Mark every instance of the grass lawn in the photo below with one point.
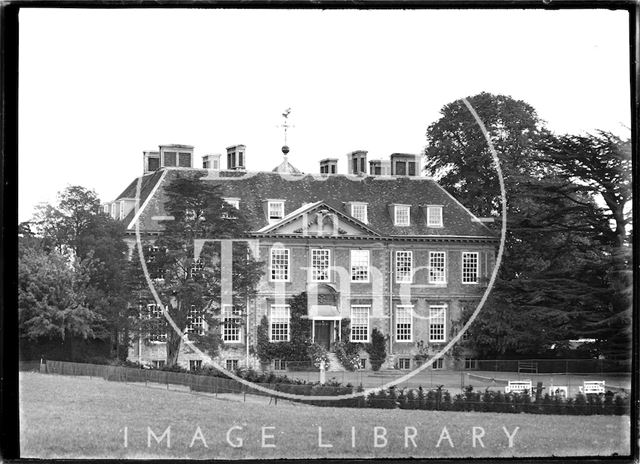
(74, 417)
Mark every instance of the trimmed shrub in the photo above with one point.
(377, 349)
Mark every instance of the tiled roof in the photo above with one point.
(379, 192)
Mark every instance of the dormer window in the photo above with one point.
(402, 215)
(359, 212)
(235, 202)
(275, 210)
(434, 216)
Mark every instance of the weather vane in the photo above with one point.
(286, 125)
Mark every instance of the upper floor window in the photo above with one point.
(279, 323)
(275, 210)
(320, 263)
(470, 266)
(360, 265)
(197, 266)
(280, 264)
(153, 257)
(113, 209)
(437, 323)
(404, 323)
(121, 210)
(402, 215)
(230, 324)
(195, 321)
(359, 211)
(158, 332)
(360, 323)
(434, 216)
(437, 267)
(404, 266)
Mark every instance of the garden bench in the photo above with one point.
(518, 386)
(562, 392)
(592, 387)
(528, 366)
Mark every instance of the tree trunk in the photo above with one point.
(173, 347)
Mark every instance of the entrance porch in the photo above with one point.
(326, 325)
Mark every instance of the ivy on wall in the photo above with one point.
(347, 352)
(297, 348)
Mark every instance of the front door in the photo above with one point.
(323, 333)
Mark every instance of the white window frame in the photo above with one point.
(403, 318)
(195, 364)
(271, 206)
(287, 262)
(435, 216)
(155, 312)
(197, 265)
(231, 330)
(463, 269)
(402, 361)
(121, 210)
(364, 217)
(366, 324)
(432, 279)
(403, 278)
(354, 263)
(106, 208)
(396, 215)
(280, 319)
(438, 313)
(113, 210)
(195, 322)
(317, 274)
(235, 202)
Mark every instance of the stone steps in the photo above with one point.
(334, 364)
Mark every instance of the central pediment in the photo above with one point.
(319, 220)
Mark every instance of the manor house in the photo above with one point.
(380, 245)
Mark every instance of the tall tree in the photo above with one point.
(52, 297)
(76, 228)
(592, 174)
(191, 288)
(457, 152)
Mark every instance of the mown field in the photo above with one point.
(71, 417)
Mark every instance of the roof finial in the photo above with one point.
(286, 125)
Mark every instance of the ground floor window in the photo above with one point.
(360, 323)
(437, 323)
(279, 365)
(279, 321)
(363, 363)
(438, 364)
(404, 363)
(231, 324)
(195, 364)
(470, 363)
(158, 363)
(231, 364)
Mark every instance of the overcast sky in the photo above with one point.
(97, 87)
